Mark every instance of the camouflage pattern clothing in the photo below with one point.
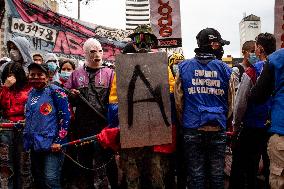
(143, 168)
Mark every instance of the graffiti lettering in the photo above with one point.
(110, 52)
(39, 44)
(49, 31)
(117, 35)
(165, 22)
(68, 43)
(34, 30)
(156, 93)
(31, 13)
(168, 43)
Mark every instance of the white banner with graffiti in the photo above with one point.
(49, 31)
(165, 22)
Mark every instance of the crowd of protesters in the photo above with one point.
(47, 101)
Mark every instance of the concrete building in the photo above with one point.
(137, 12)
(278, 23)
(249, 27)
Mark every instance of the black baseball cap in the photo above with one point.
(208, 35)
(42, 67)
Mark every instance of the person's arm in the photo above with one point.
(64, 116)
(112, 116)
(178, 94)
(241, 100)
(231, 94)
(264, 86)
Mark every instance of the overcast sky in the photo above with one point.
(223, 15)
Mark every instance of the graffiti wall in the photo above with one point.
(49, 31)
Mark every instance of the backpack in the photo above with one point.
(241, 70)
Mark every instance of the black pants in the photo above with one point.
(247, 151)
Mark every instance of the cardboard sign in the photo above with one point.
(143, 99)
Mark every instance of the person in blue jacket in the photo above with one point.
(249, 120)
(203, 94)
(47, 122)
(270, 84)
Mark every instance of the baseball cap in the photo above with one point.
(42, 67)
(208, 35)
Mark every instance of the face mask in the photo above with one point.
(253, 58)
(15, 55)
(218, 53)
(37, 83)
(64, 75)
(175, 69)
(52, 67)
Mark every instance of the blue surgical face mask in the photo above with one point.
(64, 75)
(52, 66)
(252, 58)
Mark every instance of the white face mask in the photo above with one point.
(15, 55)
(175, 69)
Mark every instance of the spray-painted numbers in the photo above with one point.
(33, 29)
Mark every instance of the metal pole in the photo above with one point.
(79, 1)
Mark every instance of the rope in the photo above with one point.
(84, 167)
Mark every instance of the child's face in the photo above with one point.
(38, 78)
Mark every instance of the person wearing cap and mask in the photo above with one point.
(52, 63)
(19, 51)
(204, 90)
(249, 120)
(93, 82)
(47, 122)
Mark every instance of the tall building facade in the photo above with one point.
(137, 12)
(249, 27)
(279, 23)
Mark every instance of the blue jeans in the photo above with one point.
(204, 158)
(15, 164)
(46, 169)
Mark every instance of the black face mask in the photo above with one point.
(218, 53)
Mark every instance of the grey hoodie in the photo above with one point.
(24, 47)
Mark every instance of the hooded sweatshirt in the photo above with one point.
(24, 47)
